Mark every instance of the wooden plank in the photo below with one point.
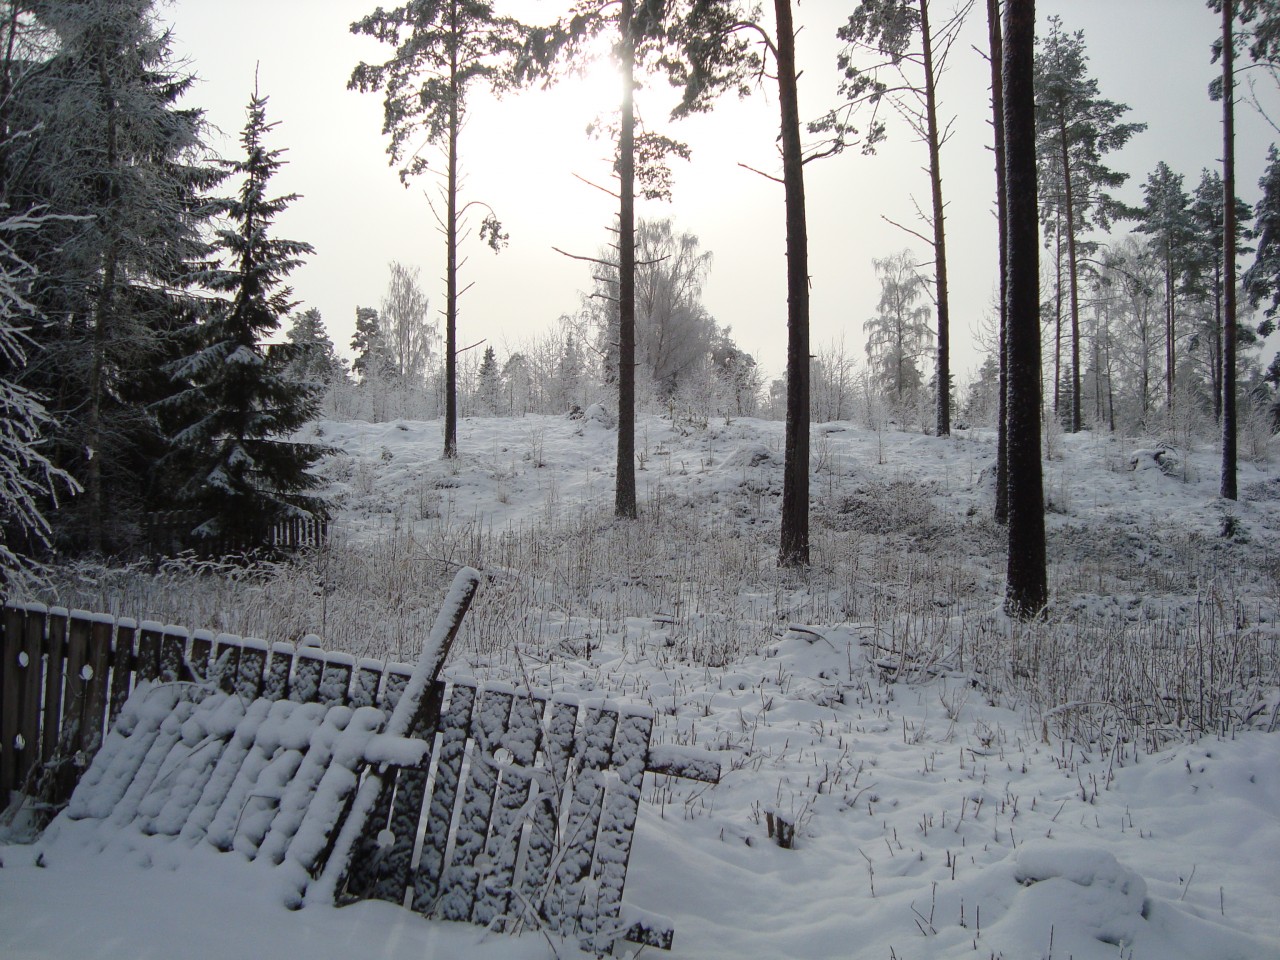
(455, 725)
(308, 666)
(31, 663)
(406, 811)
(398, 675)
(617, 826)
(225, 772)
(521, 740)
(198, 660)
(330, 722)
(173, 654)
(594, 751)
(147, 659)
(538, 878)
(335, 680)
(54, 684)
(238, 800)
(275, 686)
(122, 661)
(93, 721)
(692, 763)
(225, 664)
(462, 878)
(146, 781)
(189, 765)
(364, 690)
(11, 701)
(114, 768)
(333, 796)
(78, 675)
(253, 664)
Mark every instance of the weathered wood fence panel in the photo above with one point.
(65, 676)
(170, 532)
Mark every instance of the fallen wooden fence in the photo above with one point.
(64, 677)
(331, 768)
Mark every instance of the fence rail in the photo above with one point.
(65, 675)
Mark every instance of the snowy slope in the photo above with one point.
(882, 705)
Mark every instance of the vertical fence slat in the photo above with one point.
(122, 668)
(31, 673)
(148, 657)
(226, 661)
(78, 628)
(197, 666)
(10, 702)
(92, 720)
(55, 664)
(275, 686)
(253, 663)
(173, 653)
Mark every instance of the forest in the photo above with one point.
(909, 605)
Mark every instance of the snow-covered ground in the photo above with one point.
(882, 704)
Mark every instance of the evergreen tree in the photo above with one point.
(373, 355)
(107, 151)
(443, 48)
(236, 407)
(316, 358)
(29, 482)
(1205, 280)
(1166, 216)
(1262, 278)
(1075, 127)
(489, 383)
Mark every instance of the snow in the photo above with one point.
(935, 816)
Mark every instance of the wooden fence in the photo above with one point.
(169, 532)
(64, 676)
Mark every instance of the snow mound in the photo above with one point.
(596, 413)
(750, 455)
(1103, 897)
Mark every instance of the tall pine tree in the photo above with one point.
(237, 406)
(1075, 127)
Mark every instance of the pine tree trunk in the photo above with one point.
(1073, 280)
(1217, 343)
(1026, 590)
(943, 425)
(1228, 484)
(1169, 329)
(793, 550)
(451, 252)
(625, 485)
(997, 119)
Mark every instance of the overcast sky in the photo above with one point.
(521, 156)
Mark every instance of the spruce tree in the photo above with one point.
(232, 417)
(108, 152)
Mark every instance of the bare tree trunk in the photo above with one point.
(1170, 371)
(1228, 486)
(997, 120)
(939, 231)
(794, 548)
(625, 482)
(1073, 280)
(1026, 590)
(451, 254)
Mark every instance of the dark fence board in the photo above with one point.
(121, 658)
(11, 702)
